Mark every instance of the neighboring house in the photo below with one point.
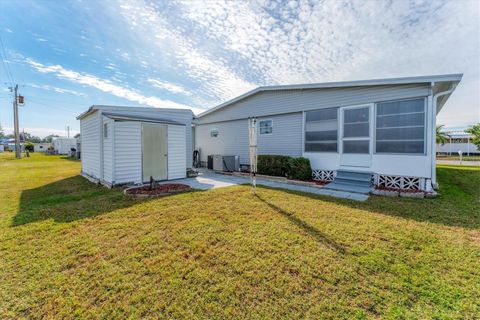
(458, 140)
(382, 127)
(63, 145)
(128, 145)
(41, 147)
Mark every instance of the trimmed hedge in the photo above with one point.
(284, 166)
(300, 169)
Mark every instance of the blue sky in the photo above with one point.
(68, 55)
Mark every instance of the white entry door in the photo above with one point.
(356, 148)
(154, 152)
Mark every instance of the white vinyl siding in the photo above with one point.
(176, 152)
(107, 150)
(128, 152)
(233, 138)
(321, 130)
(90, 144)
(400, 127)
(266, 104)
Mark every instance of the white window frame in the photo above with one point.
(426, 116)
(216, 129)
(259, 127)
(338, 131)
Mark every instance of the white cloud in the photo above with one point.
(345, 40)
(174, 88)
(214, 77)
(59, 90)
(105, 86)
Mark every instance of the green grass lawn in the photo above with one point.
(71, 249)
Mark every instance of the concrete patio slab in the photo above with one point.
(209, 180)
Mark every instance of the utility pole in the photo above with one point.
(68, 131)
(18, 151)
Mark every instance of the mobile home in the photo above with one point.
(131, 145)
(383, 129)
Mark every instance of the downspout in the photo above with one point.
(434, 124)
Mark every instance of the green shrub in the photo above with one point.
(299, 169)
(273, 165)
(284, 166)
(28, 146)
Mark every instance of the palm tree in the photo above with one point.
(442, 137)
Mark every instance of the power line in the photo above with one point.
(6, 67)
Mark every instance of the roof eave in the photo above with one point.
(356, 83)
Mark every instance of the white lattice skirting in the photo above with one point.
(399, 182)
(323, 175)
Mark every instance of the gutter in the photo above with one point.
(434, 125)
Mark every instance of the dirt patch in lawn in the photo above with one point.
(158, 190)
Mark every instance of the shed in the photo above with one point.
(42, 147)
(63, 145)
(129, 145)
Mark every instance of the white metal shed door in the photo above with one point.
(154, 152)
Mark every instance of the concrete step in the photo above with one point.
(354, 175)
(348, 187)
(356, 181)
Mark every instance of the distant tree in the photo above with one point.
(77, 136)
(34, 139)
(475, 132)
(49, 138)
(2, 134)
(442, 137)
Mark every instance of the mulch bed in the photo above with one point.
(398, 190)
(161, 189)
(320, 183)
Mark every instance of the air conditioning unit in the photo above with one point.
(226, 163)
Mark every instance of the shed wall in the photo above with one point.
(90, 137)
(128, 152)
(176, 152)
(177, 115)
(108, 149)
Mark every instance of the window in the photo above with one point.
(214, 132)
(266, 126)
(321, 130)
(400, 127)
(105, 130)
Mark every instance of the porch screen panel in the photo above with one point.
(321, 130)
(400, 127)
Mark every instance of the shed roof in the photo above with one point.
(128, 110)
(129, 117)
(434, 79)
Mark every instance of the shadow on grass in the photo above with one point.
(69, 158)
(458, 203)
(68, 200)
(311, 230)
